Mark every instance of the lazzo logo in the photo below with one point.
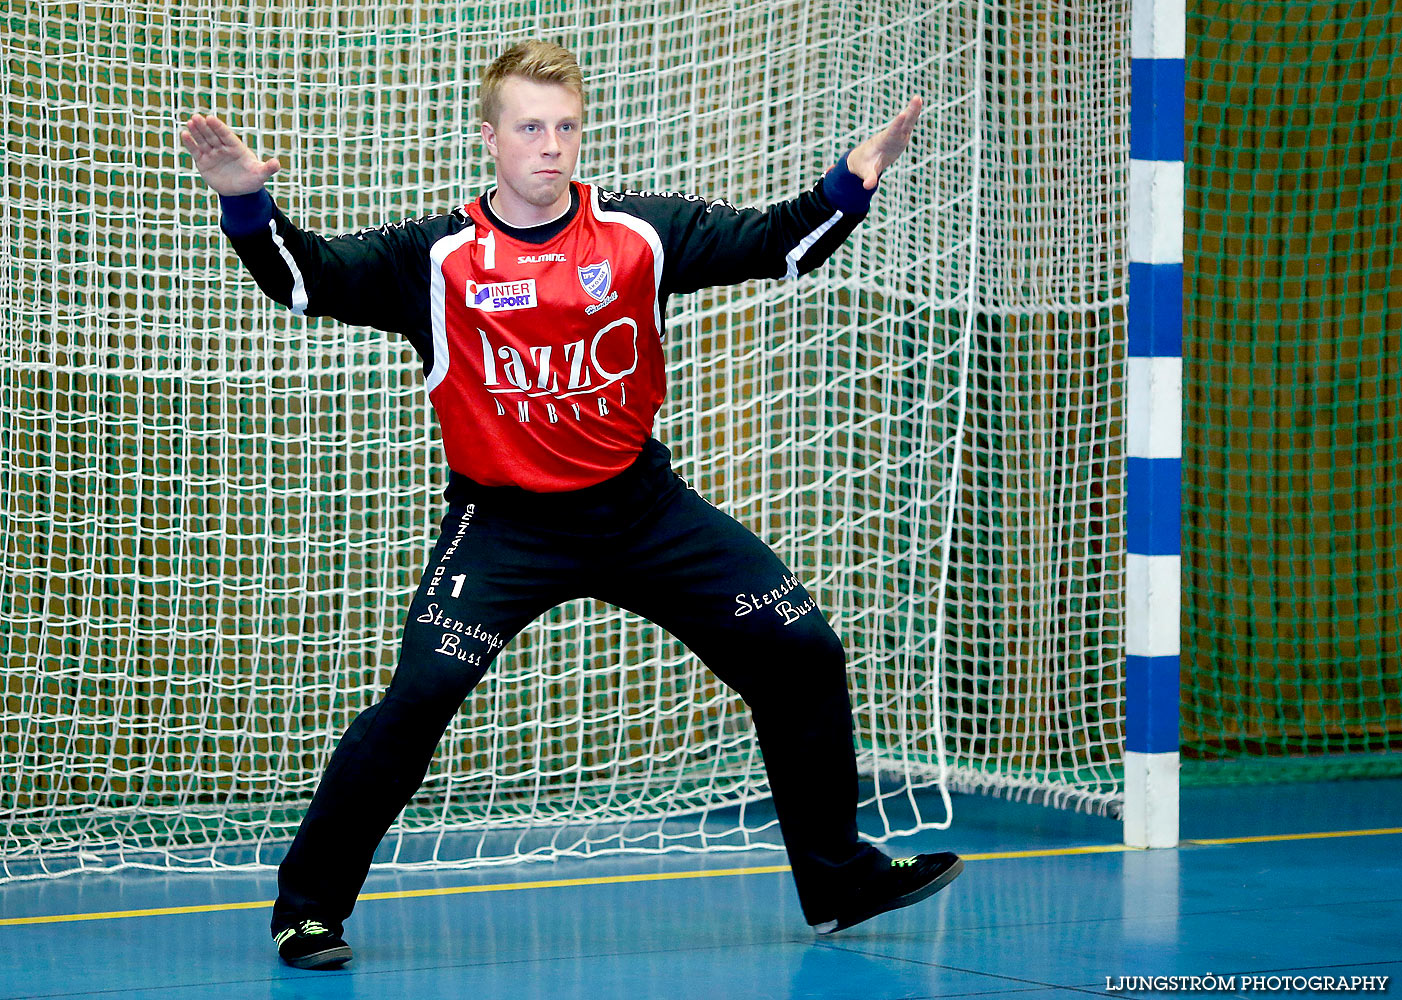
(500, 296)
(561, 370)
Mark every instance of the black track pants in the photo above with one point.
(645, 542)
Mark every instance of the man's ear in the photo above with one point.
(489, 136)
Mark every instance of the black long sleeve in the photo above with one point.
(376, 277)
(714, 243)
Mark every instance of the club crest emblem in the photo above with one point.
(595, 278)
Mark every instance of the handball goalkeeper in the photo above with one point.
(539, 311)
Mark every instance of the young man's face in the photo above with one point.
(535, 143)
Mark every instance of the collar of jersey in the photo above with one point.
(530, 235)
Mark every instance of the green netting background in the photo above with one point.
(1293, 391)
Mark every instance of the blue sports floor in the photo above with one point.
(1049, 905)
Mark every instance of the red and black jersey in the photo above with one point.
(542, 348)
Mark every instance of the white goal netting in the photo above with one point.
(213, 513)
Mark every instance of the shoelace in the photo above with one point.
(307, 927)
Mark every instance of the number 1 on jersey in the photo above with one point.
(489, 249)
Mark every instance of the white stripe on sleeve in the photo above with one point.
(796, 254)
(299, 286)
(437, 303)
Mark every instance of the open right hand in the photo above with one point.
(881, 150)
(222, 158)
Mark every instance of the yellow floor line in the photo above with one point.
(1381, 832)
(1050, 852)
(163, 911)
(456, 890)
(62, 918)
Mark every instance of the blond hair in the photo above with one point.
(543, 62)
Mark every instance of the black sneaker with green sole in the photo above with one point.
(310, 944)
(906, 881)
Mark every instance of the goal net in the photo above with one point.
(214, 513)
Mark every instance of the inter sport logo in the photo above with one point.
(502, 295)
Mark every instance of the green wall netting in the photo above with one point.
(1293, 391)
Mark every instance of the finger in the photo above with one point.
(201, 148)
(212, 132)
(910, 114)
(895, 139)
(222, 132)
(188, 141)
(270, 167)
(224, 136)
(905, 121)
(199, 128)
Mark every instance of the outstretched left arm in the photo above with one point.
(713, 243)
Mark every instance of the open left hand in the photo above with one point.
(881, 150)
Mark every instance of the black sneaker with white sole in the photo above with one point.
(906, 881)
(310, 944)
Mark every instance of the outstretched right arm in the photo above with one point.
(376, 277)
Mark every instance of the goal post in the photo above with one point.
(214, 513)
(1154, 419)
